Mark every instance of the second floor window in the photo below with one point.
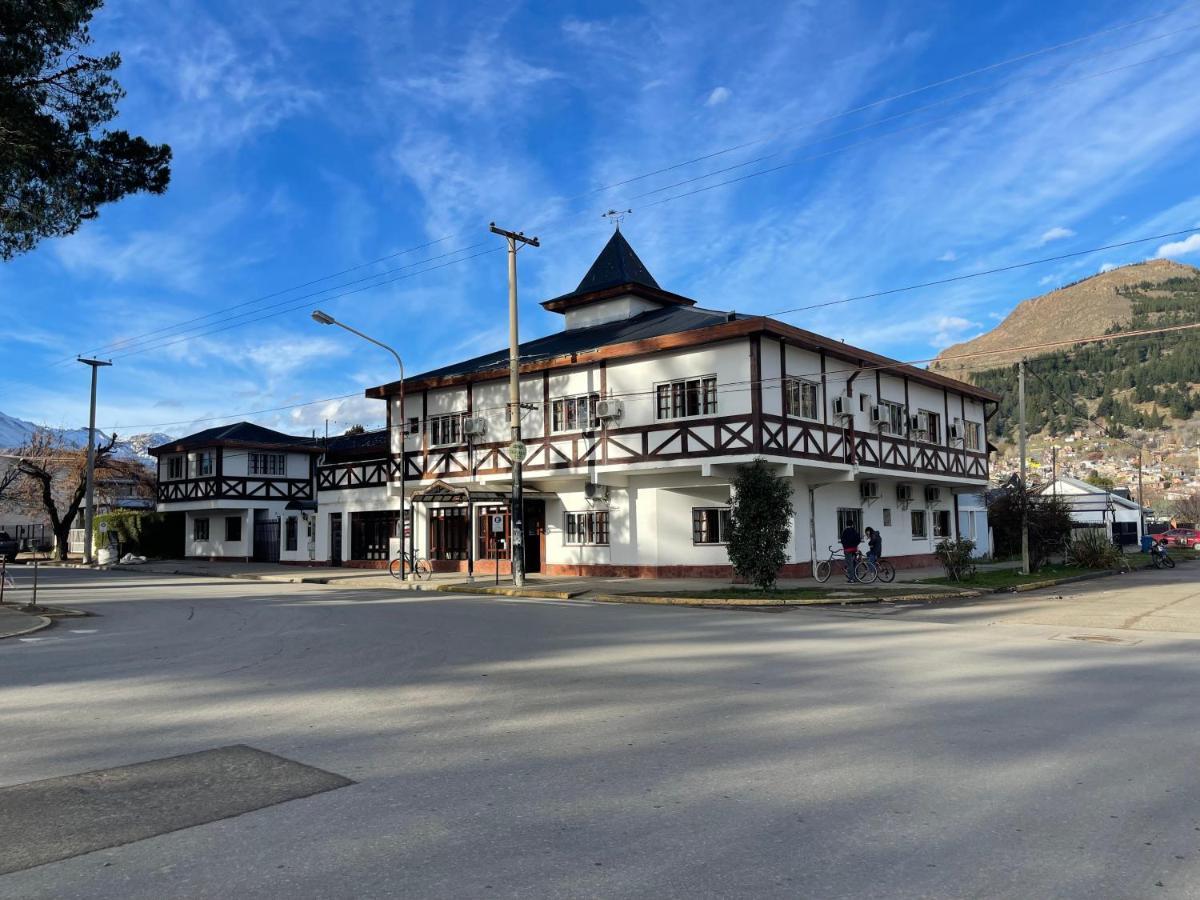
(893, 416)
(204, 463)
(587, 527)
(444, 430)
(268, 463)
(800, 398)
(972, 435)
(929, 427)
(574, 413)
(174, 466)
(687, 397)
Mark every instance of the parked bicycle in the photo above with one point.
(400, 567)
(863, 571)
(885, 570)
(1160, 557)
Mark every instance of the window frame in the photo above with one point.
(916, 515)
(973, 430)
(586, 528)
(291, 531)
(897, 417)
(198, 525)
(268, 463)
(939, 517)
(701, 525)
(176, 467)
(559, 407)
(852, 512)
(205, 463)
(794, 400)
(670, 397)
(434, 426)
(932, 433)
(230, 520)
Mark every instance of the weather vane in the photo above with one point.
(617, 216)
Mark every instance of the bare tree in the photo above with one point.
(8, 479)
(54, 476)
(1187, 509)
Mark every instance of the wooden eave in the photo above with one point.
(185, 446)
(573, 301)
(723, 331)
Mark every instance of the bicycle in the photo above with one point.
(1161, 559)
(885, 570)
(399, 567)
(863, 571)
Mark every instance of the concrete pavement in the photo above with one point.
(526, 748)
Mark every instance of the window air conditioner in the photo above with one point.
(932, 494)
(869, 489)
(474, 428)
(877, 417)
(956, 431)
(610, 410)
(914, 424)
(841, 407)
(904, 492)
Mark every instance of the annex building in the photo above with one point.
(635, 416)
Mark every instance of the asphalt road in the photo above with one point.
(521, 748)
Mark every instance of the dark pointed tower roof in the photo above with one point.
(616, 271)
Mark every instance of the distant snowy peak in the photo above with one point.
(16, 432)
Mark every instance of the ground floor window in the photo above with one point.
(918, 523)
(849, 516)
(710, 524)
(233, 528)
(289, 535)
(448, 533)
(199, 529)
(587, 527)
(370, 533)
(941, 523)
(493, 532)
(887, 518)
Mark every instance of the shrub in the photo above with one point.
(152, 534)
(761, 523)
(1093, 550)
(955, 557)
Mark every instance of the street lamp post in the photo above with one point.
(88, 508)
(326, 319)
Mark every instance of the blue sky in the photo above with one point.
(311, 138)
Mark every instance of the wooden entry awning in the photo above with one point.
(440, 492)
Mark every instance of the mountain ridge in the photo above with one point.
(16, 432)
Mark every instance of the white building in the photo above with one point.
(1094, 506)
(634, 417)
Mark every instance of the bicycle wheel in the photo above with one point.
(1168, 562)
(396, 568)
(823, 570)
(865, 572)
(424, 569)
(887, 572)
(1157, 560)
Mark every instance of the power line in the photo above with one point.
(134, 340)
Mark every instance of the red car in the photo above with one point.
(1182, 537)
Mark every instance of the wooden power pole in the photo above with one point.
(1024, 489)
(516, 450)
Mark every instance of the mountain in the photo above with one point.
(1148, 384)
(15, 432)
(1083, 309)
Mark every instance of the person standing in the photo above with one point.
(850, 541)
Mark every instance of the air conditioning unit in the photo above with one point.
(594, 491)
(904, 493)
(474, 428)
(869, 490)
(610, 410)
(956, 431)
(877, 416)
(932, 494)
(841, 407)
(915, 424)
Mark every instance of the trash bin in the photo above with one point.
(1147, 540)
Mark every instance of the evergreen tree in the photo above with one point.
(761, 523)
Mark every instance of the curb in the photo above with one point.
(41, 622)
(775, 601)
(507, 592)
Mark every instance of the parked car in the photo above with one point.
(9, 546)
(1182, 537)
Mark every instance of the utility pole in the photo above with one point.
(516, 449)
(1024, 490)
(88, 508)
(1141, 502)
(1054, 468)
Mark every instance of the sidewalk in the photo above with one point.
(13, 623)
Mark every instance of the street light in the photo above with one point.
(88, 508)
(325, 319)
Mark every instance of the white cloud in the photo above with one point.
(1181, 248)
(949, 329)
(1056, 233)
(718, 96)
(1107, 267)
(948, 256)
(1047, 279)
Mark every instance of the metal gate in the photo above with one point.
(266, 540)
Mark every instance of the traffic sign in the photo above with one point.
(498, 524)
(517, 451)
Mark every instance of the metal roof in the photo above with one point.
(243, 434)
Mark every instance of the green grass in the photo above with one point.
(747, 593)
(1002, 578)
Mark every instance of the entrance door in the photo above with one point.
(335, 539)
(266, 540)
(534, 513)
